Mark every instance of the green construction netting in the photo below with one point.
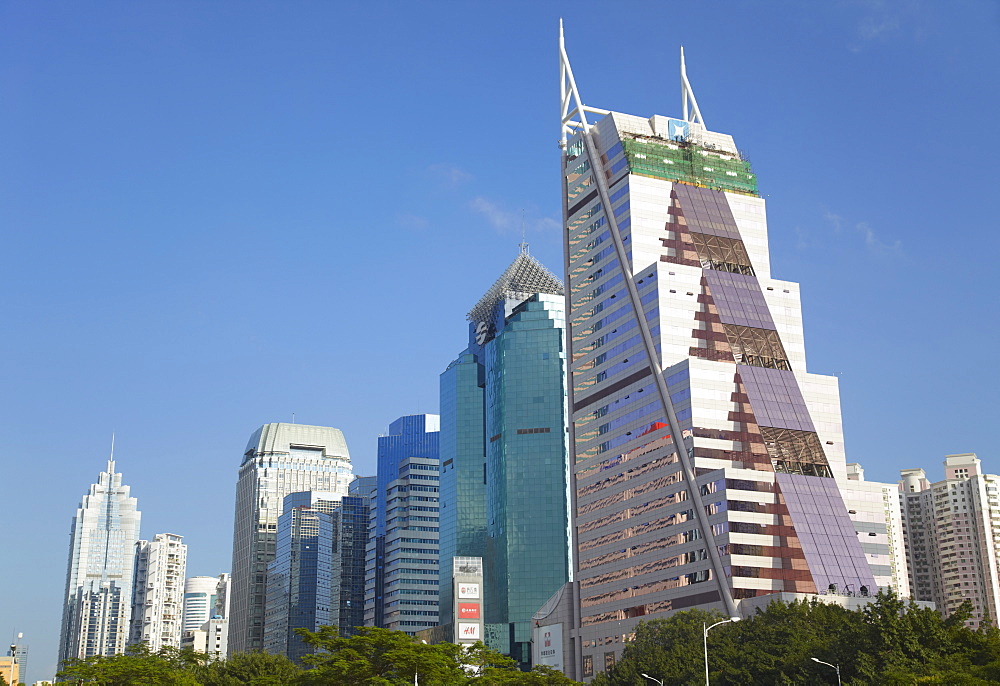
(689, 163)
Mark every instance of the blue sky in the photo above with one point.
(215, 215)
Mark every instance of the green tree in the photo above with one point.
(138, 665)
(378, 657)
(487, 667)
(254, 669)
(888, 641)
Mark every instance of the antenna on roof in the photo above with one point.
(524, 241)
(111, 460)
(687, 92)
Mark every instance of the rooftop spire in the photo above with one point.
(111, 460)
(523, 278)
(687, 92)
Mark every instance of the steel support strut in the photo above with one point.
(685, 455)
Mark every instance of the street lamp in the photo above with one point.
(704, 636)
(837, 667)
(653, 679)
(13, 657)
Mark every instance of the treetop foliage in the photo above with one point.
(890, 641)
(373, 657)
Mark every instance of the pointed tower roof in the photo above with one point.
(523, 278)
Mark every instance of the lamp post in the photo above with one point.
(837, 667)
(704, 636)
(659, 681)
(13, 657)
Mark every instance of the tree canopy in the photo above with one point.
(372, 657)
(889, 641)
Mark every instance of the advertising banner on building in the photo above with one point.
(546, 646)
(469, 611)
(469, 631)
(466, 590)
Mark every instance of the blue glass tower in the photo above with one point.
(503, 458)
(351, 533)
(401, 559)
(300, 580)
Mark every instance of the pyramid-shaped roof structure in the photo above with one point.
(523, 278)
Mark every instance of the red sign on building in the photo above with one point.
(468, 611)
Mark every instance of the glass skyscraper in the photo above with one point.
(503, 457)
(351, 522)
(300, 579)
(99, 575)
(279, 459)
(401, 557)
(706, 456)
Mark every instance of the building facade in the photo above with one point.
(99, 575)
(351, 522)
(207, 598)
(504, 469)
(952, 530)
(279, 459)
(158, 592)
(300, 579)
(401, 556)
(706, 457)
(875, 509)
(200, 594)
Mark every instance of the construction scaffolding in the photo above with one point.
(687, 162)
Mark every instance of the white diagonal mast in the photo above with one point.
(687, 92)
(569, 95)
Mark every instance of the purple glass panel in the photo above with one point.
(707, 211)
(828, 539)
(739, 299)
(775, 398)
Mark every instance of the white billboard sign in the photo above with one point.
(469, 631)
(547, 646)
(466, 590)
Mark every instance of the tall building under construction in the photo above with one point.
(706, 458)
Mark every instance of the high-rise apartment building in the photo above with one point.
(279, 459)
(706, 457)
(874, 508)
(401, 556)
(99, 575)
(503, 453)
(952, 530)
(158, 592)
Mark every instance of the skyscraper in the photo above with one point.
(503, 453)
(401, 557)
(279, 459)
(706, 457)
(952, 530)
(300, 579)
(158, 591)
(99, 575)
(351, 521)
